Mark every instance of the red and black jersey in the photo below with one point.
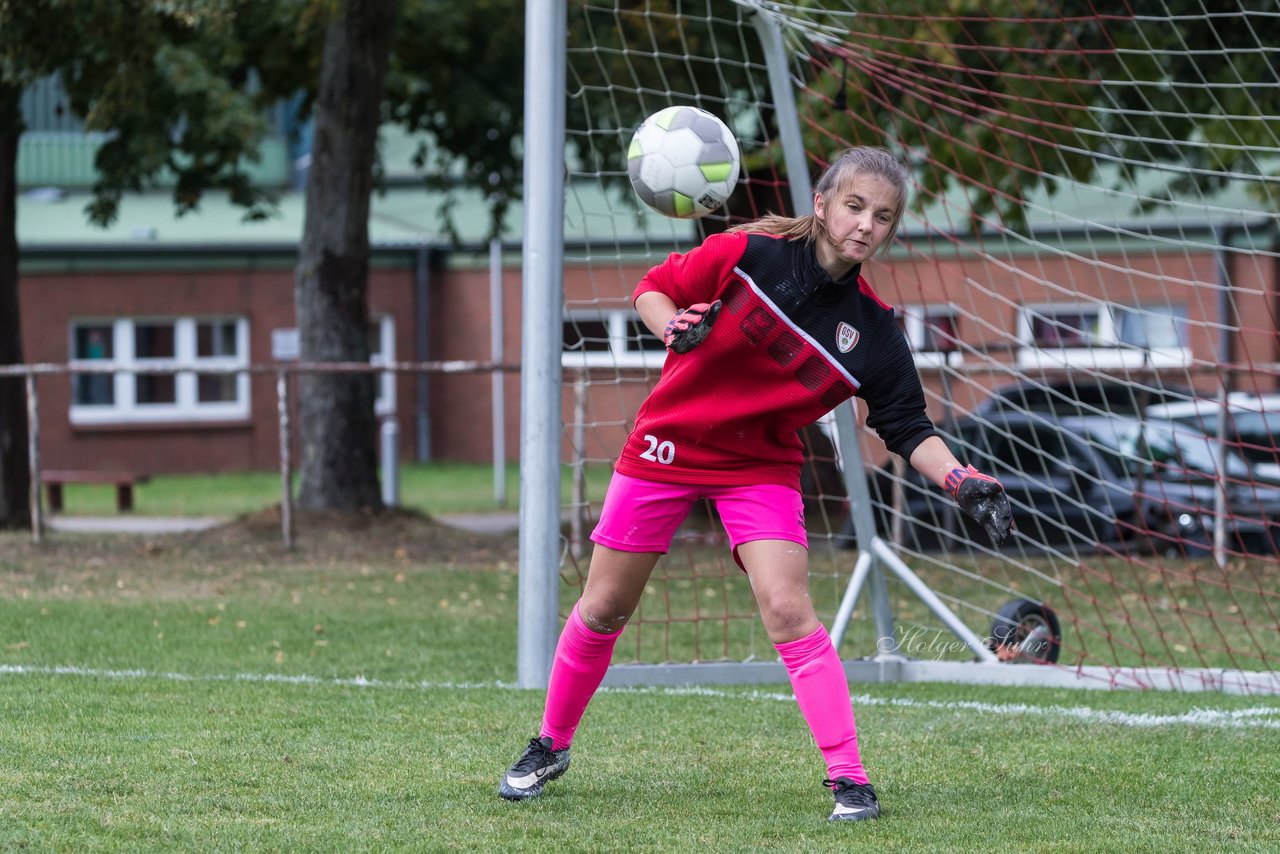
(790, 344)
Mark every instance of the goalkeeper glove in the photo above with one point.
(690, 327)
(982, 498)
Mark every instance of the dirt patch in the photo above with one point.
(390, 534)
(250, 546)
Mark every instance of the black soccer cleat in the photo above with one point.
(854, 801)
(537, 766)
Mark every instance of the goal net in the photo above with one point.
(1087, 275)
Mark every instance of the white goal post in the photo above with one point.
(541, 425)
(1087, 274)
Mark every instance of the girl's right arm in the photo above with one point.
(655, 309)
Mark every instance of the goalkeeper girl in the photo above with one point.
(768, 326)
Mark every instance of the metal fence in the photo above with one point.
(283, 373)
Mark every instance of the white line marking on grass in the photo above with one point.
(281, 678)
(1257, 717)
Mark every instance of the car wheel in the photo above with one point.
(1026, 631)
(1186, 541)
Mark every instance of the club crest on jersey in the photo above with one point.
(846, 337)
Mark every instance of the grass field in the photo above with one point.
(1186, 613)
(438, 487)
(210, 692)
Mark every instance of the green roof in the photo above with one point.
(399, 216)
(408, 214)
(1133, 207)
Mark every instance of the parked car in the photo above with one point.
(1082, 395)
(1252, 427)
(1083, 483)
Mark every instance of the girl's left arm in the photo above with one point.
(933, 459)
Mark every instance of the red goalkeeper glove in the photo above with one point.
(982, 498)
(690, 327)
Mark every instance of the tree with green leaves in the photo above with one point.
(1004, 96)
(339, 428)
(181, 89)
(456, 78)
(171, 86)
(998, 97)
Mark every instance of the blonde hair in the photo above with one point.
(835, 180)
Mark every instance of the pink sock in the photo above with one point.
(582, 657)
(817, 678)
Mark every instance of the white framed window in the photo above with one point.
(932, 333)
(136, 395)
(382, 351)
(1103, 335)
(609, 338)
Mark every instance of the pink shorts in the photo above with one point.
(643, 515)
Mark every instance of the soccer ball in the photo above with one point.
(683, 162)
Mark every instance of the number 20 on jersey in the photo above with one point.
(658, 452)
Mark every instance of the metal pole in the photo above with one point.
(931, 601)
(850, 601)
(33, 459)
(784, 105)
(865, 570)
(846, 424)
(1228, 321)
(497, 331)
(286, 459)
(390, 435)
(578, 521)
(538, 615)
(864, 526)
(422, 337)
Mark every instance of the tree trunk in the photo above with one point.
(15, 476)
(337, 421)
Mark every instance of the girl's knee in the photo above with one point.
(790, 628)
(602, 618)
(787, 619)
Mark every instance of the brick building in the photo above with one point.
(208, 288)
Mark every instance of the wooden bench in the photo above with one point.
(124, 482)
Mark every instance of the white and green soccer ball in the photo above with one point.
(683, 162)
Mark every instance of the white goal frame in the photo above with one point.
(542, 548)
